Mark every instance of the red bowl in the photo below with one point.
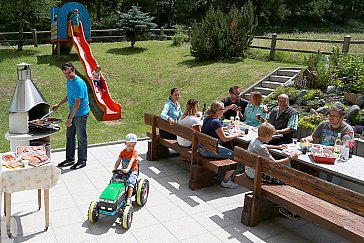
(324, 160)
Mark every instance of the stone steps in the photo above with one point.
(272, 81)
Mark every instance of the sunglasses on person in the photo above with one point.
(236, 94)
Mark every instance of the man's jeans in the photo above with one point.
(78, 127)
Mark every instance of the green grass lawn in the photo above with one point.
(140, 79)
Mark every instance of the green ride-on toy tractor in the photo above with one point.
(113, 199)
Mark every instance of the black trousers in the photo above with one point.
(165, 134)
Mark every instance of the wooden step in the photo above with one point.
(278, 78)
(272, 85)
(288, 72)
(263, 90)
(246, 96)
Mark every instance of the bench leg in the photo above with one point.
(256, 211)
(201, 177)
(160, 152)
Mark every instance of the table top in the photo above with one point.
(352, 170)
(28, 178)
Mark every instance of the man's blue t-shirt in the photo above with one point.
(210, 125)
(76, 88)
(74, 19)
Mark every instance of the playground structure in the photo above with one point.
(61, 29)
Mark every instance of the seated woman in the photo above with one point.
(255, 110)
(212, 126)
(171, 112)
(190, 119)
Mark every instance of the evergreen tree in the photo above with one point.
(134, 23)
(223, 36)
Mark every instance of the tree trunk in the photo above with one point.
(170, 10)
(21, 35)
(98, 11)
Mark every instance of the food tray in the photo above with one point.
(9, 156)
(324, 159)
(26, 149)
(35, 159)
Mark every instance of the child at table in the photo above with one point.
(255, 110)
(96, 76)
(128, 158)
(258, 146)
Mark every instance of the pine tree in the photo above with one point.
(134, 23)
(223, 36)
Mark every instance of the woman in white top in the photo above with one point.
(191, 119)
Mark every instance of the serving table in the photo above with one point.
(28, 178)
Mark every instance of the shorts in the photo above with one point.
(132, 178)
(75, 28)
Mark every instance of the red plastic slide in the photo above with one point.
(111, 109)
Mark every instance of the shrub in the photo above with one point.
(311, 121)
(180, 37)
(359, 118)
(221, 36)
(313, 104)
(313, 94)
(290, 91)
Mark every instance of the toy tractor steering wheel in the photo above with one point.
(119, 172)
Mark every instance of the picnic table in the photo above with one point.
(351, 171)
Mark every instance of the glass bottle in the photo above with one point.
(337, 145)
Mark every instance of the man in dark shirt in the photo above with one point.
(327, 131)
(285, 120)
(234, 103)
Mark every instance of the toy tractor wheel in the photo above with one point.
(142, 192)
(93, 211)
(127, 217)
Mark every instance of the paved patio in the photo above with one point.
(173, 212)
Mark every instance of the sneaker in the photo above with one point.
(285, 212)
(128, 202)
(229, 184)
(78, 165)
(66, 163)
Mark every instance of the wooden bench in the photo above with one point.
(158, 146)
(207, 171)
(328, 205)
(203, 171)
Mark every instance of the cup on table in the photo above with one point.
(232, 119)
(258, 116)
(304, 149)
(294, 141)
(246, 130)
(25, 163)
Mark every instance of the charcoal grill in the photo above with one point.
(26, 108)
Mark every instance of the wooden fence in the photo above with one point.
(34, 37)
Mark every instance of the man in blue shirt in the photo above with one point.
(78, 104)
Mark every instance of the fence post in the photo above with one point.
(189, 33)
(162, 34)
(35, 38)
(346, 44)
(273, 46)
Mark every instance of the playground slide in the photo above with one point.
(111, 109)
